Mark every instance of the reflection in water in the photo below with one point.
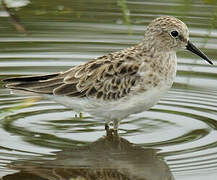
(109, 157)
(66, 33)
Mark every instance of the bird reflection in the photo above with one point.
(109, 158)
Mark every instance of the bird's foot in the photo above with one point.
(111, 132)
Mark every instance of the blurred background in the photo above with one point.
(39, 37)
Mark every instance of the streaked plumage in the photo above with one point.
(118, 84)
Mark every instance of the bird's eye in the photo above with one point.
(174, 33)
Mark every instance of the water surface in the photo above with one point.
(176, 138)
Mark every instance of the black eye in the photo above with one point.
(174, 33)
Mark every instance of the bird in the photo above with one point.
(121, 83)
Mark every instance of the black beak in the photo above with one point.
(197, 51)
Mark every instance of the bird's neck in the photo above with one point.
(152, 50)
(152, 44)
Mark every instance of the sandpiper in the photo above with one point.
(113, 86)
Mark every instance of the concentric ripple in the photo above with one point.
(182, 125)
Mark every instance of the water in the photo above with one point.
(48, 141)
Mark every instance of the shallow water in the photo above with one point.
(180, 129)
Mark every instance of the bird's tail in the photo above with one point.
(43, 84)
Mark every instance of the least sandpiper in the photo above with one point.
(113, 86)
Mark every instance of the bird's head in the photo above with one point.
(166, 33)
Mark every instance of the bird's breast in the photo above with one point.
(158, 72)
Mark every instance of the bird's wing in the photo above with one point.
(101, 78)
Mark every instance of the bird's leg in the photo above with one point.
(107, 126)
(108, 130)
(114, 131)
(115, 126)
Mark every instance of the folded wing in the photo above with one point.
(101, 78)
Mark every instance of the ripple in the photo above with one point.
(183, 125)
(196, 152)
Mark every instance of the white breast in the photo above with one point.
(130, 105)
(109, 110)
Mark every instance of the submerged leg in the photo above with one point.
(108, 130)
(114, 131)
(106, 126)
(115, 126)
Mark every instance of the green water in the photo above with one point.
(60, 34)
